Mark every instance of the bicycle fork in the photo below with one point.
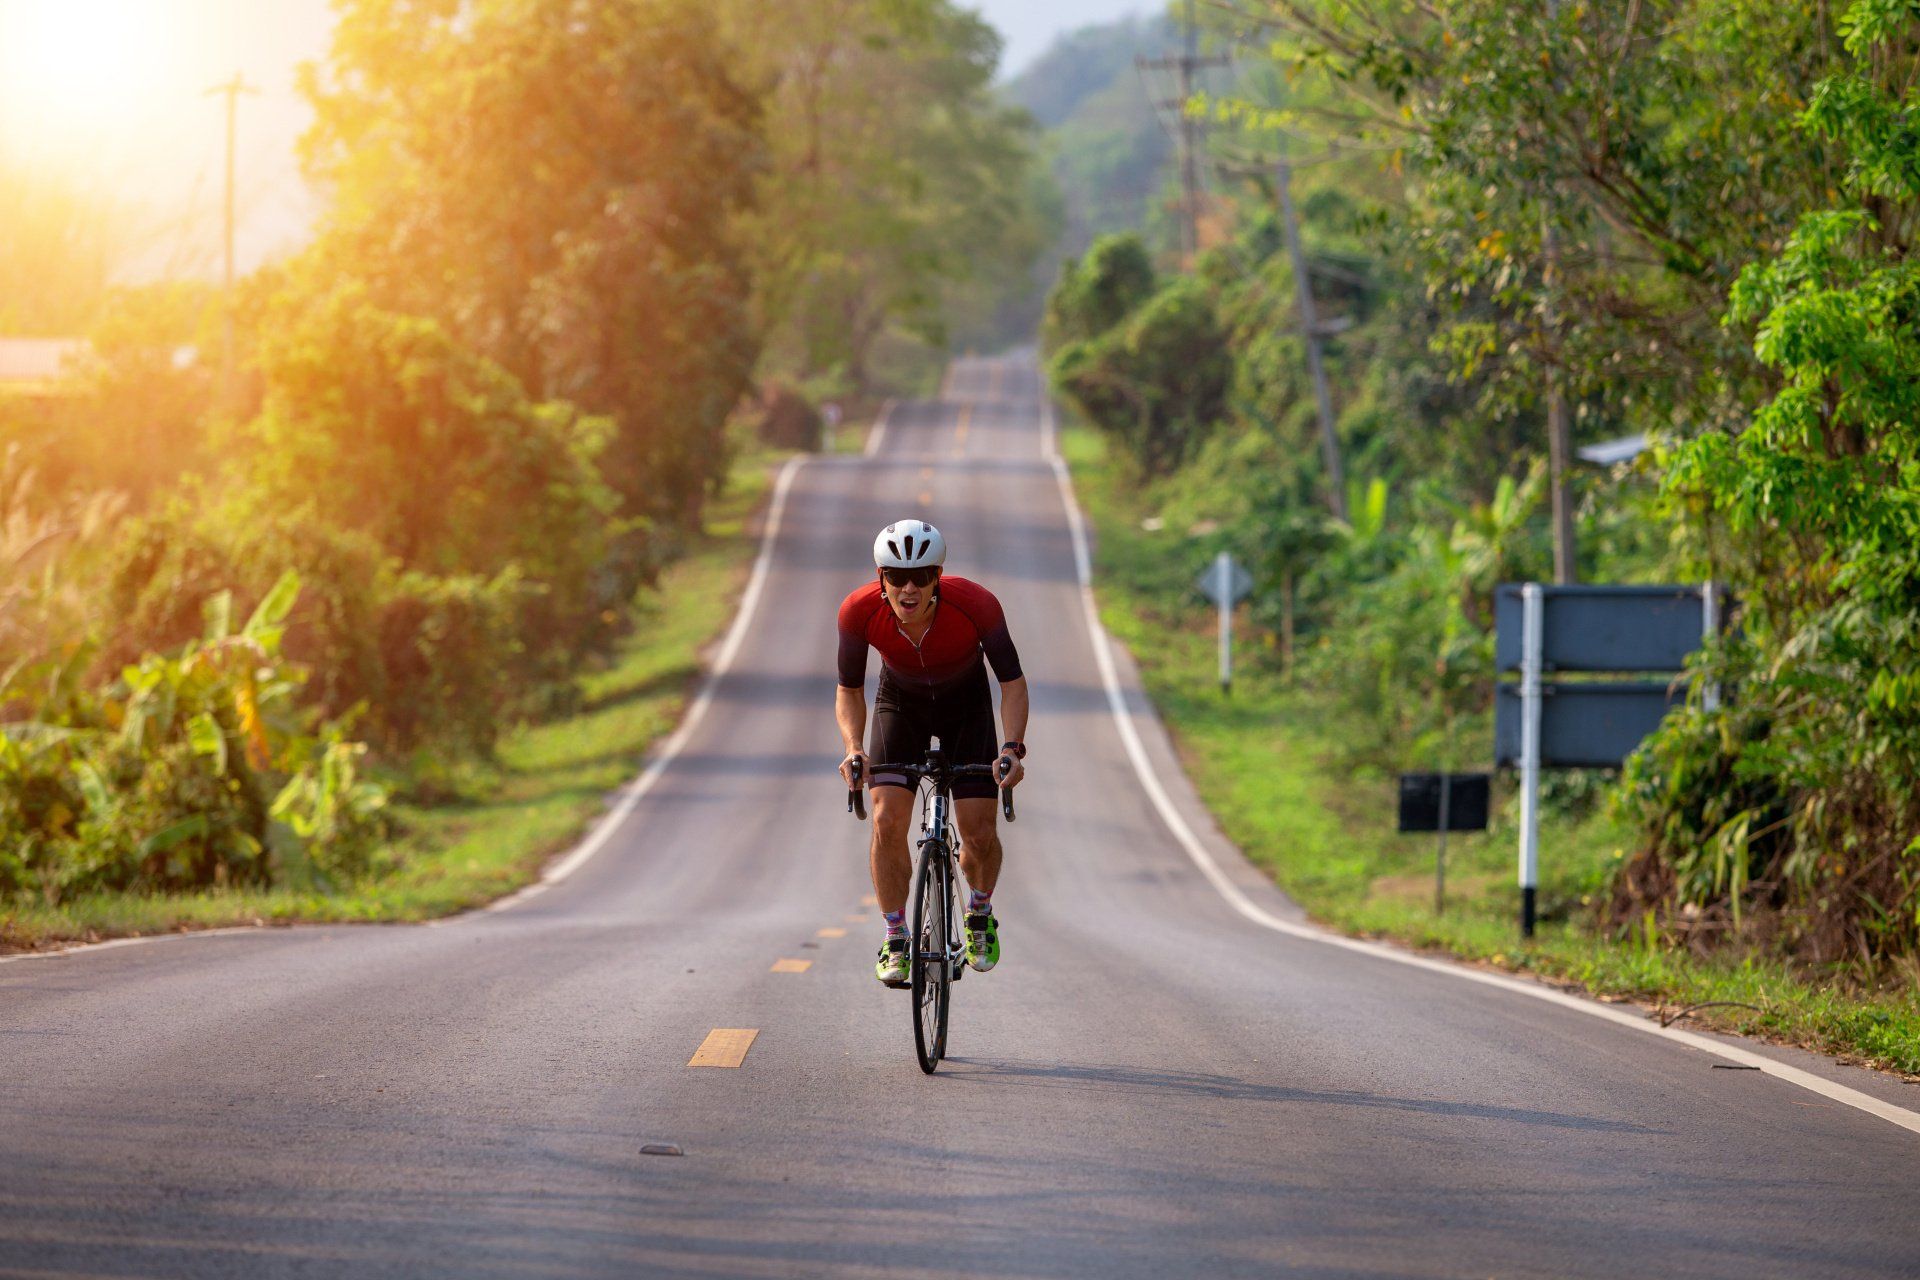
(939, 828)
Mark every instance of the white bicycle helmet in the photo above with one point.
(909, 544)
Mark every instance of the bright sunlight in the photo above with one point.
(74, 70)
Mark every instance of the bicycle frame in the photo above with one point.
(939, 949)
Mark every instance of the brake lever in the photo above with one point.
(1003, 768)
(857, 798)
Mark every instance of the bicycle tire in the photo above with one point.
(932, 976)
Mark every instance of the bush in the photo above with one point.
(1096, 292)
(183, 773)
(1157, 382)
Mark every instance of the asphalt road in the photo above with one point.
(1150, 1085)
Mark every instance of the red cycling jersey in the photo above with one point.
(967, 621)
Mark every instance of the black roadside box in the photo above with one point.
(1420, 801)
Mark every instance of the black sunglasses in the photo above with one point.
(914, 577)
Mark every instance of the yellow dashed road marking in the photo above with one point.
(831, 931)
(869, 901)
(859, 919)
(926, 497)
(926, 473)
(724, 1047)
(791, 966)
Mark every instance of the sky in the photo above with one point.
(1030, 25)
(114, 93)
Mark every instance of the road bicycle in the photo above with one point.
(939, 951)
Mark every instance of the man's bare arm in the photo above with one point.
(1013, 709)
(850, 713)
(1013, 717)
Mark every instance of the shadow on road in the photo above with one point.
(1196, 1084)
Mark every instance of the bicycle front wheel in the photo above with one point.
(932, 974)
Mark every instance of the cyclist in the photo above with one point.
(931, 632)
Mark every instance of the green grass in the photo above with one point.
(499, 823)
(1266, 761)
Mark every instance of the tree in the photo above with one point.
(1158, 380)
(1799, 795)
(558, 183)
(895, 176)
(1098, 290)
(58, 246)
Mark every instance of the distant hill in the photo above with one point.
(1109, 154)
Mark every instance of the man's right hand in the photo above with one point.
(853, 769)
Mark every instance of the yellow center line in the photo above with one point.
(831, 931)
(926, 497)
(869, 901)
(859, 919)
(724, 1047)
(926, 473)
(791, 966)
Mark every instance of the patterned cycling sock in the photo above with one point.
(896, 922)
(978, 902)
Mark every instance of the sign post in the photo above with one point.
(1226, 582)
(1533, 617)
(1546, 724)
(1442, 802)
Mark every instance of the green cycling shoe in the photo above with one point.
(983, 941)
(894, 964)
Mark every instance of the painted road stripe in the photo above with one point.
(1238, 900)
(724, 1047)
(722, 663)
(879, 429)
(791, 966)
(831, 931)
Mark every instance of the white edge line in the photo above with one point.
(603, 830)
(1238, 900)
(879, 429)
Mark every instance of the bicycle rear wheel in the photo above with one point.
(932, 976)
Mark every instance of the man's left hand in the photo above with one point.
(1009, 777)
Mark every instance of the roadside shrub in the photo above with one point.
(1156, 383)
(182, 773)
(1097, 291)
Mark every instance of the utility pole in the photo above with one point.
(1187, 129)
(1311, 330)
(1566, 566)
(232, 89)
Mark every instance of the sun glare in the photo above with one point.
(75, 71)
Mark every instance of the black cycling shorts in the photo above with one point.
(960, 715)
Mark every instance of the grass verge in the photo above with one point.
(1265, 761)
(499, 822)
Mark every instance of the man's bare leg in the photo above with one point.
(980, 861)
(979, 842)
(887, 854)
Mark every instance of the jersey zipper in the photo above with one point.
(918, 653)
